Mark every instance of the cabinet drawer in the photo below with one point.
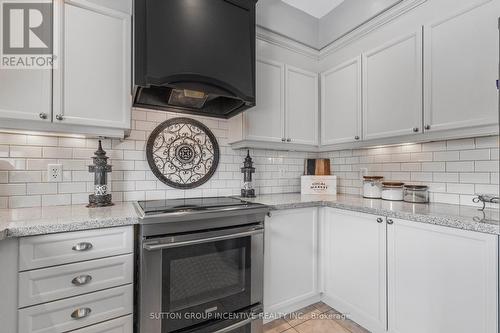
(49, 284)
(120, 325)
(64, 248)
(61, 316)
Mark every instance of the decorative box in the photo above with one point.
(318, 185)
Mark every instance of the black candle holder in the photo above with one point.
(100, 168)
(248, 191)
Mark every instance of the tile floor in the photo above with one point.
(316, 318)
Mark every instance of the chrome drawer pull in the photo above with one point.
(81, 280)
(81, 313)
(84, 246)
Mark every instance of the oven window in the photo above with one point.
(205, 279)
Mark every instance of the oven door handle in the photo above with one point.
(236, 326)
(156, 246)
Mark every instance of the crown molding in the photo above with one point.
(363, 29)
(370, 25)
(285, 42)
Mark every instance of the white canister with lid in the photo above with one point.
(392, 191)
(372, 187)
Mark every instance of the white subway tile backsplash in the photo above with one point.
(488, 189)
(460, 166)
(486, 166)
(450, 168)
(475, 155)
(460, 144)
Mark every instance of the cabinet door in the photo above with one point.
(95, 78)
(301, 106)
(265, 122)
(341, 103)
(353, 256)
(26, 94)
(441, 279)
(290, 260)
(392, 88)
(461, 67)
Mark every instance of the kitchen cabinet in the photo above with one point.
(461, 67)
(441, 279)
(93, 85)
(392, 88)
(341, 103)
(290, 260)
(26, 94)
(88, 91)
(266, 121)
(429, 278)
(354, 266)
(301, 106)
(286, 110)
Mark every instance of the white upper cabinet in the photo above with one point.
(301, 106)
(286, 110)
(93, 86)
(461, 67)
(266, 121)
(353, 256)
(392, 88)
(341, 103)
(441, 279)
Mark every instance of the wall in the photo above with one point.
(455, 170)
(24, 159)
(278, 17)
(347, 16)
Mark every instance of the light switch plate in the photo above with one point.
(54, 173)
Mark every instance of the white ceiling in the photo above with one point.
(316, 8)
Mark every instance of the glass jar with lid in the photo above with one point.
(392, 191)
(372, 187)
(416, 193)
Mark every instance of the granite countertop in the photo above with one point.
(23, 222)
(455, 216)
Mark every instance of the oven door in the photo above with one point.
(190, 279)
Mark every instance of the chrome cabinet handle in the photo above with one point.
(380, 220)
(269, 214)
(356, 137)
(415, 129)
(427, 127)
(83, 246)
(42, 115)
(81, 313)
(59, 117)
(288, 140)
(283, 139)
(81, 280)
(389, 221)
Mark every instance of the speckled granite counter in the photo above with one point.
(455, 216)
(45, 220)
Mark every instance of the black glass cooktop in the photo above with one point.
(152, 207)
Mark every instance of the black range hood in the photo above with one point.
(195, 56)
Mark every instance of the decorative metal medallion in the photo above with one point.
(183, 153)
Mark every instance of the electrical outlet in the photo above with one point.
(54, 172)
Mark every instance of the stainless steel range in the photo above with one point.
(201, 266)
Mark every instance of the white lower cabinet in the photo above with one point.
(76, 312)
(421, 277)
(354, 266)
(441, 280)
(120, 325)
(290, 260)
